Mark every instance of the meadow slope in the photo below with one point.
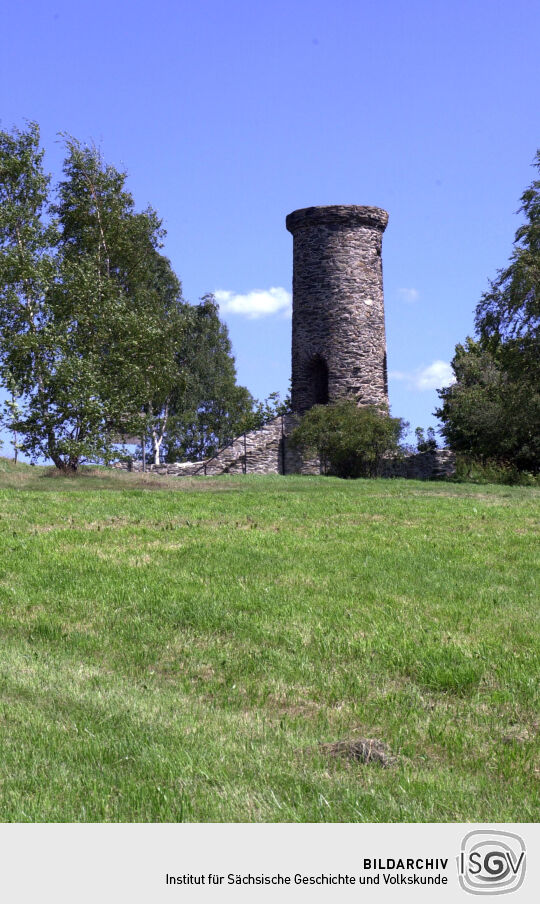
(184, 649)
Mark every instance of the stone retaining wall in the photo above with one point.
(437, 465)
(267, 451)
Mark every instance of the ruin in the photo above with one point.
(338, 343)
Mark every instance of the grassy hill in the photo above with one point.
(194, 649)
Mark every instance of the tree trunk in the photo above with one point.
(156, 446)
(70, 466)
(157, 437)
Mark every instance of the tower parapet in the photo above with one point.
(338, 335)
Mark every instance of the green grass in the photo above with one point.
(181, 649)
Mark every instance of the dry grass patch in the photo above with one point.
(360, 750)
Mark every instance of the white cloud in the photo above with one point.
(409, 295)
(434, 376)
(257, 303)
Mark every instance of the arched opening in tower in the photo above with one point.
(317, 373)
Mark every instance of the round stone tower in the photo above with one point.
(338, 338)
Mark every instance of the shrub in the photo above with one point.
(471, 470)
(350, 441)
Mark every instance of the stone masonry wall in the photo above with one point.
(267, 451)
(438, 465)
(338, 305)
(262, 451)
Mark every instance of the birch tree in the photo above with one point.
(85, 302)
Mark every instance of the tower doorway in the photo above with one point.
(317, 377)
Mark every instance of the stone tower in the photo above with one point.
(338, 337)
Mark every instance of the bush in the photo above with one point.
(473, 471)
(350, 441)
(491, 413)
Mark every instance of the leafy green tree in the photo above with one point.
(28, 264)
(349, 440)
(209, 408)
(492, 412)
(137, 294)
(488, 415)
(510, 310)
(89, 308)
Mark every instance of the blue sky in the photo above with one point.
(228, 115)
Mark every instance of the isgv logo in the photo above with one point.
(491, 862)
